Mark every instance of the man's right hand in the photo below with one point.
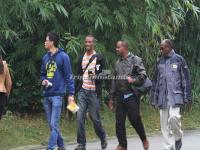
(44, 82)
(70, 99)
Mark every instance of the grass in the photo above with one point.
(19, 131)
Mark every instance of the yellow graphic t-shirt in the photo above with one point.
(51, 68)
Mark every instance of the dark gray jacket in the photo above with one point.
(171, 83)
(130, 66)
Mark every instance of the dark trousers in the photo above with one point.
(129, 107)
(87, 100)
(3, 99)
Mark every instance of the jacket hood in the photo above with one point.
(59, 51)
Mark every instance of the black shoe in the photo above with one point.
(104, 144)
(80, 147)
(178, 144)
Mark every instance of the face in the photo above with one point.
(120, 48)
(89, 43)
(48, 44)
(165, 49)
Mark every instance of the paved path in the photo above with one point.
(191, 141)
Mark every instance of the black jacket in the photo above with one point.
(98, 73)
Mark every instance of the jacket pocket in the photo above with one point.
(178, 97)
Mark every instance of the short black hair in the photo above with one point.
(54, 37)
(91, 36)
(169, 42)
(124, 43)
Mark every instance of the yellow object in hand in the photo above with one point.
(73, 107)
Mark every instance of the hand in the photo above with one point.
(188, 106)
(130, 80)
(70, 99)
(44, 82)
(110, 104)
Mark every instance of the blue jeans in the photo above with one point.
(87, 100)
(53, 106)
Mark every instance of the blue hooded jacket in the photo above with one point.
(57, 70)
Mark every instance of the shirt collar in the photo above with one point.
(94, 52)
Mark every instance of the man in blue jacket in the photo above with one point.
(171, 89)
(56, 75)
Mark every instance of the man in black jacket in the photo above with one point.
(88, 86)
(129, 71)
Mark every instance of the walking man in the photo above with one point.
(56, 74)
(5, 85)
(90, 65)
(171, 89)
(129, 70)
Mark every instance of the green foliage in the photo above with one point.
(143, 23)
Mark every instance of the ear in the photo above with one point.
(52, 42)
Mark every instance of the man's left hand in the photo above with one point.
(70, 99)
(130, 80)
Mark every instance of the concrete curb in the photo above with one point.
(29, 147)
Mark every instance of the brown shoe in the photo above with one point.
(120, 148)
(146, 144)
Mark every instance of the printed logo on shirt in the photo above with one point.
(97, 67)
(51, 68)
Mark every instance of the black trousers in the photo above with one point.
(3, 99)
(131, 108)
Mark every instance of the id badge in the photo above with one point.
(127, 95)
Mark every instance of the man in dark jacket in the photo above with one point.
(129, 71)
(88, 86)
(56, 74)
(171, 89)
